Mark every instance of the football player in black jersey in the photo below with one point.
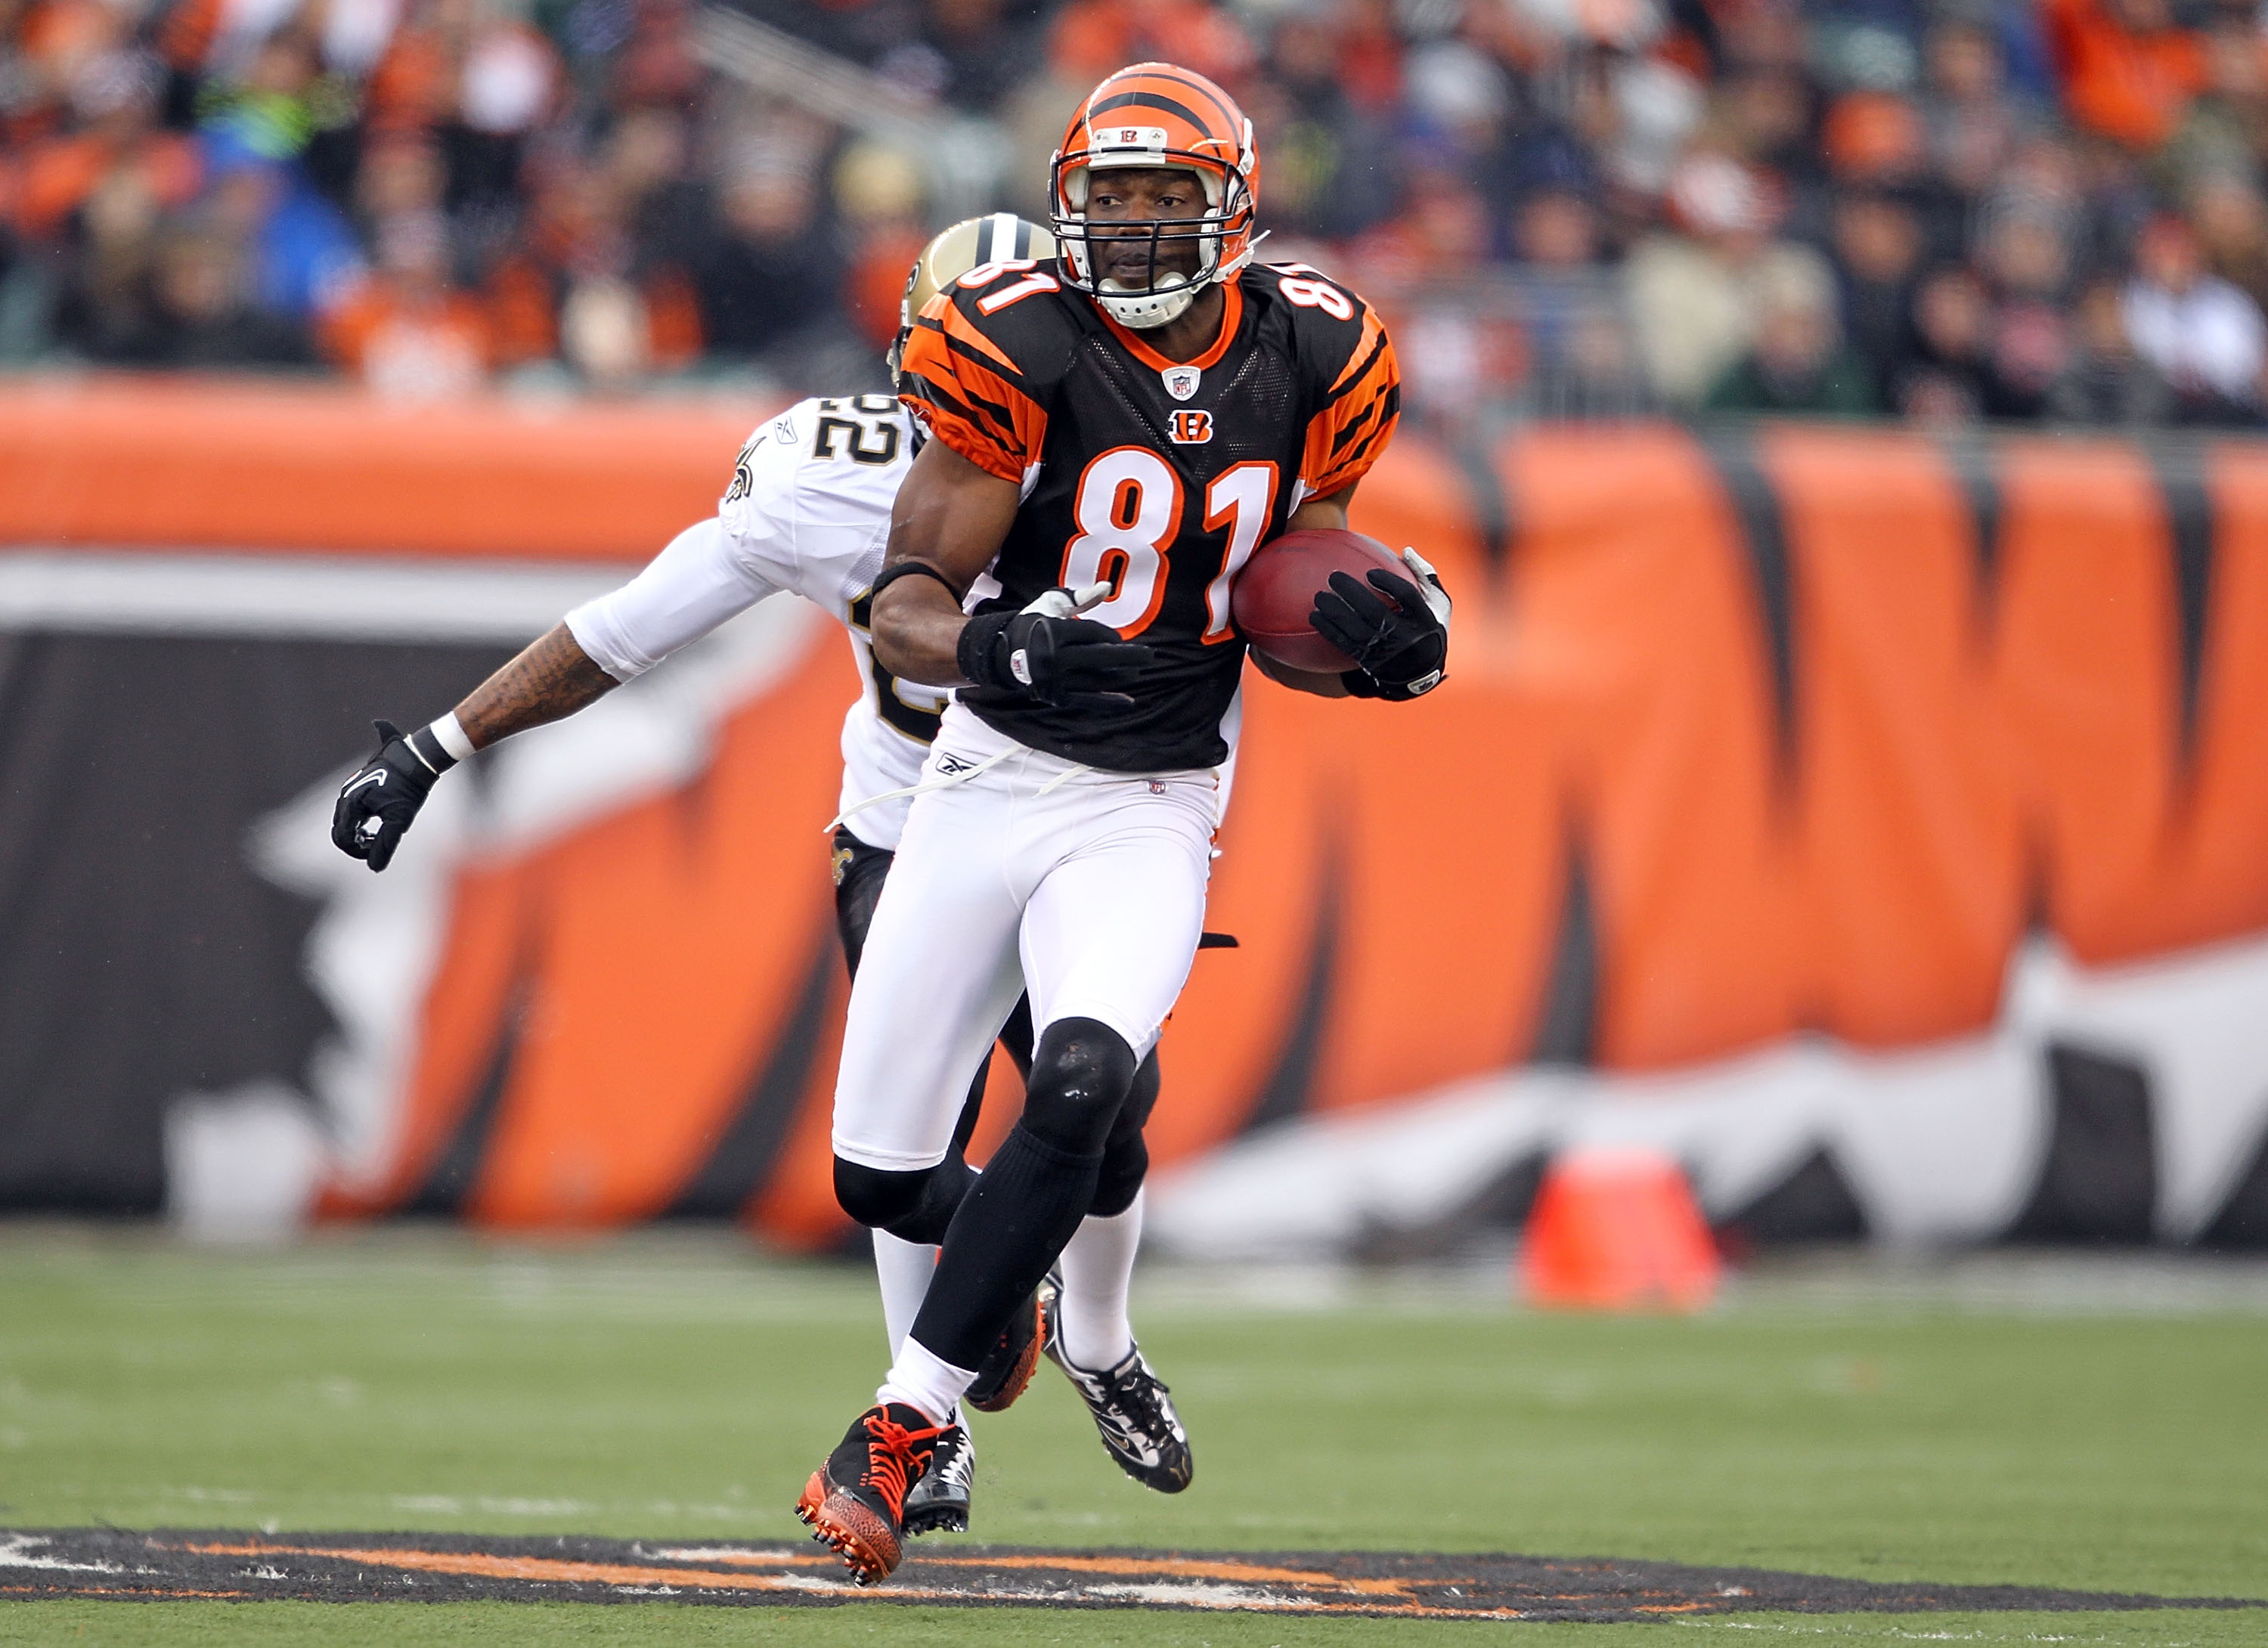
(810, 513)
(1115, 431)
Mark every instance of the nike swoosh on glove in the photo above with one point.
(1400, 645)
(376, 805)
(1064, 662)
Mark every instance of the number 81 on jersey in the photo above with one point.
(1129, 510)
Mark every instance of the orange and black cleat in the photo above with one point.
(1008, 1366)
(856, 1502)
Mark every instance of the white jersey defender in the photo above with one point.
(807, 512)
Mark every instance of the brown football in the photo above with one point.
(1276, 590)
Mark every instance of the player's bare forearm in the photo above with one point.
(952, 515)
(549, 680)
(1331, 513)
(919, 639)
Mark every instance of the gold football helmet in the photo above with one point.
(970, 244)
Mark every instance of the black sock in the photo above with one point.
(1011, 1226)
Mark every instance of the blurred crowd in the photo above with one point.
(1931, 209)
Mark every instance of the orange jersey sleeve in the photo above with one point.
(972, 395)
(1358, 415)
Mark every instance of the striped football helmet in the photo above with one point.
(970, 244)
(1155, 115)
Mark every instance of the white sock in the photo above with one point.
(904, 1270)
(1098, 1264)
(923, 1380)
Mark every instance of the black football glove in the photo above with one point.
(376, 805)
(1400, 651)
(1045, 653)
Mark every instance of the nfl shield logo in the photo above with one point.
(1182, 381)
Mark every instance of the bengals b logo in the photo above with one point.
(1192, 428)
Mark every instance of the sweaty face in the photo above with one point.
(1135, 197)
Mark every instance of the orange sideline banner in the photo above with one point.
(1801, 728)
(196, 463)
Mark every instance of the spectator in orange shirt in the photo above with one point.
(585, 286)
(408, 333)
(880, 195)
(2128, 71)
(114, 99)
(1093, 37)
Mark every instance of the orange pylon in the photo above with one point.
(1617, 1228)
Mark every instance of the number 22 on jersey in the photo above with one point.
(1129, 510)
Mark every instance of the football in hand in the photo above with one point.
(1276, 590)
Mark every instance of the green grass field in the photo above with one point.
(680, 1386)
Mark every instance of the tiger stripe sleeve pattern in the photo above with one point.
(1358, 415)
(970, 394)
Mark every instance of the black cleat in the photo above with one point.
(855, 1502)
(1007, 1368)
(1133, 1410)
(939, 1503)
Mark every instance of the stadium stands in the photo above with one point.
(1939, 211)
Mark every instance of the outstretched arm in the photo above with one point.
(697, 583)
(550, 679)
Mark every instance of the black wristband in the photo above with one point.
(892, 573)
(427, 748)
(974, 652)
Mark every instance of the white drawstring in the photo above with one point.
(1071, 771)
(1055, 603)
(943, 781)
(946, 781)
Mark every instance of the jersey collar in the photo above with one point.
(1232, 316)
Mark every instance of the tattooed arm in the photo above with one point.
(708, 573)
(553, 678)
(549, 680)
(690, 588)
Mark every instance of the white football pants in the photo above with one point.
(1085, 887)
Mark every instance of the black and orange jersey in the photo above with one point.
(1161, 477)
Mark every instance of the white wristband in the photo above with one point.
(451, 737)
